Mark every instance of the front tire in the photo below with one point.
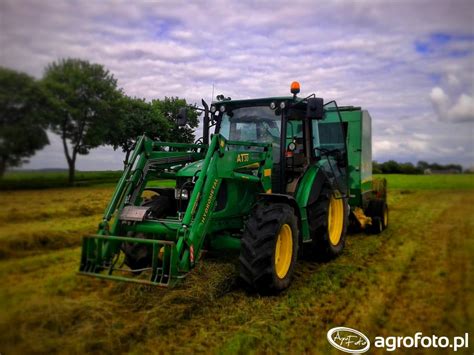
(139, 256)
(269, 247)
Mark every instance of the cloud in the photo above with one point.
(408, 64)
(460, 111)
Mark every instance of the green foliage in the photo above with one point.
(169, 107)
(135, 117)
(422, 165)
(81, 97)
(22, 124)
(393, 167)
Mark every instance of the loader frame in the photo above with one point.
(181, 241)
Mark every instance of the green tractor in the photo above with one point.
(278, 173)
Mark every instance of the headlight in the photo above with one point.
(222, 108)
(273, 105)
(213, 108)
(184, 194)
(282, 105)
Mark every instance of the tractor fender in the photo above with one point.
(289, 200)
(308, 190)
(274, 198)
(310, 186)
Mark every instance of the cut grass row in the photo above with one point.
(37, 220)
(33, 221)
(416, 276)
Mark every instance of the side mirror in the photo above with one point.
(314, 108)
(182, 118)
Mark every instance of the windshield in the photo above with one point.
(252, 124)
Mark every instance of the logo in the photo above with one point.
(243, 157)
(348, 340)
(209, 201)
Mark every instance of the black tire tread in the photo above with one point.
(318, 219)
(376, 208)
(258, 243)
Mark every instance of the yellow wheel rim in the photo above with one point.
(385, 217)
(335, 219)
(283, 251)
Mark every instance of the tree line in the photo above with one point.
(393, 167)
(82, 103)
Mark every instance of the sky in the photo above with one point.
(409, 62)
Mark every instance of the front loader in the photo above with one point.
(271, 178)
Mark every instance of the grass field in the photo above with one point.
(22, 180)
(416, 276)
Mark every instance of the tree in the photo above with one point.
(376, 168)
(22, 127)
(134, 118)
(409, 168)
(390, 167)
(422, 165)
(81, 98)
(169, 107)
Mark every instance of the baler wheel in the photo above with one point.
(269, 247)
(328, 222)
(378, 208)
(376, 227)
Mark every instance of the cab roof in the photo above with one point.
(254, 102)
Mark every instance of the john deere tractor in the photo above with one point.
(277, 173)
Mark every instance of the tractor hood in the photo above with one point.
(190, 169)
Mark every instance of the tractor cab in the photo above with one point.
(295, 129)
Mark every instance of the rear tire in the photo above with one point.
(328, 220)
(269, 247)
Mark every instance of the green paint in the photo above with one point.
(359, 146)
(227, 178)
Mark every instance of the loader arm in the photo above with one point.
(220, 163)
(175, 243)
